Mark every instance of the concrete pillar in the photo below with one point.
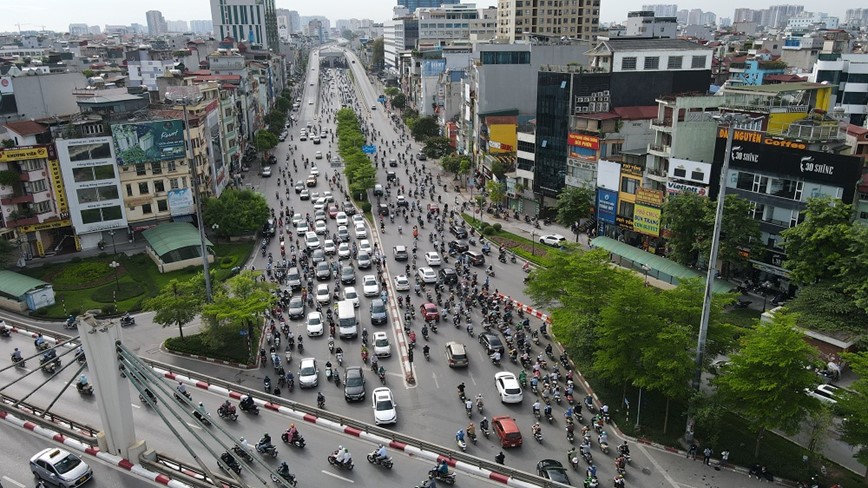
(112, 392)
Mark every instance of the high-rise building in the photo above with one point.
(575, 19)
(695, 17)
(156, 23)
(412, 5)
(856, 17)
(201, 26)
(78, 29)
(95, 30)
(177, 26)
(253, 21)
(682, 16)
(780, 14)
(662, 10)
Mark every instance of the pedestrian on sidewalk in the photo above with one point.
(706, 456)
(691, 452)
(724, 458)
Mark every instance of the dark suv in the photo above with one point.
(348, 275)
(458, 246)
(349, 208)
(354, 384)
(458, 231)
(447, 276)
(491, 343)
(323, 271)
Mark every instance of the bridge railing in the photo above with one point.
(68, 427)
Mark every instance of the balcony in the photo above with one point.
(16, 199)
(655, 174)
(659, 150)
(662, 125)
(808, 130)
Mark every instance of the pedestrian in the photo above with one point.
(724, 458)
(706, 456)
(691, 453)
(499, 458)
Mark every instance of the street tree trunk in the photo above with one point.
(759, 438)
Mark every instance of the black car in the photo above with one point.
(447, 276)
(348, 275)
(421, 156)
(553, 470)
(491, 343)
(383, 209)
(349, 208)
(296, 307)
(323, 271)
(379, 313)
(458, 231)
(458, 246)
(390, 176)
(354, 384)
(401, 253)
(318, 256)
(299, 186)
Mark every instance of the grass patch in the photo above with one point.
(137, 279)
(228, 345)
(523, 247)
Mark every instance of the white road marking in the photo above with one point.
(436, 383)
(194, 426)
(657, 466)
(472, 379)
(11, 481)
(338, 477)
(135, 406)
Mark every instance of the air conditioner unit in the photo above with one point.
(605, 93)
(604, 106)
(592, 107)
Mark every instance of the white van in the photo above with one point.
(348, 323)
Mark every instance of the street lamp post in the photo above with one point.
(533, 243)
(114, 265)
(186, 96)
(646, 269)
(111, 234)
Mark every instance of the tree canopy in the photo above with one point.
(574, 204)
(238, 302)
(817, 246)
(424, 128)
(852, 407)
(360, 171)
(178, 303)
(437, 147)
(236, 212)
(264, 141)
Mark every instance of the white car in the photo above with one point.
(329, 246)
(358, 219)
(302, 229)
(365, 245)
(508, 387)
(369, 286)
(311, 240)
(318, 155)
(385, 411)
(427, 275)
(320, 203)
(326, 194)
(304, 195)
(555, 240)
(341, 218)
(297, 219)
(382, 348)
(314, 324)
(352, 295)
(344, 250)
(314, 170)
(432, 258)
(322, 293)
(308, 376)
(361, 231)
(829, 394)
(59, 467)
(320, 227)
(402, 283)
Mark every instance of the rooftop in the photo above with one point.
(26, 127)
(639, 112)
(776, 88)
(645, 44)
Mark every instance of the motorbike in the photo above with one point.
(128, 320)
(253, 408)
(550, 417)
(334, 462)
(4, 331)
(589, 404)
(267, 385)
(448, 478)
(538, 436)
(574, 461)
(328, 374)
(571, 436)
(70, 323)
(227, 413)
(374, 459)
(230, 463)
(19, 363)
(181, 398)
(462, 444)
(287, 478)
(297, 442)
(243, 454)
(151, 397)
(269, 450)
(604, 446)
(485, 432)
(84, 389)
(586, 455)
(382, 376)
(591, 482)
(202, 418)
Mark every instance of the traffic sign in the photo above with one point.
(369, 149)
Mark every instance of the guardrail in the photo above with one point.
(81, 432)
(450, 454)
(188, 473)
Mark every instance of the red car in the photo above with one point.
(429, 311)
(507, 431)
(333, 211)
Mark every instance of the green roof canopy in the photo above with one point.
(656, 263)
(173, 236)
(16, 285)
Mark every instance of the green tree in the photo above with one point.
(378, 55)
(264, 141)
(684, 215)
(364, 178)
(828, 306)
(399, 101)
(854, 267)
(391, 91)
(574, 204)
(275, 120)
(450, 163)
(465, 166)
(7, 252)
(498, 169)
(852, 407)
(496, 191)
(765, 380)
(347, 34)
(816, 247)
(437, 147)
(424, 128)
(283, 104)
(238, 302)
(738, 232)
(178, 302)
(88, 73)
(236, 212)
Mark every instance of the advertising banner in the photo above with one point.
(649, 197)
(581, 140)
(148, 141)
(607, 205)
(646, 220)
(181, 202)
(675, 188)
(23, 153)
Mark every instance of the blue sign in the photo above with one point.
(607, 204)
(381, 99)
(369, 149)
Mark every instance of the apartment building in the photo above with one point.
(574, 19)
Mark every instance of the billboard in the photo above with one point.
(646, 220)
(142, 142)
(181, 202)
(581, 140)
(607, 205)
(676, 187)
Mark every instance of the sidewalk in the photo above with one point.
(123, 246)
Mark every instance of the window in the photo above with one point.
(143, 188)
(159, 186)
(628, 64)
(698, 62)
(36, 186)
(697, 175)
(157, 167)
(674, 62)
(146, 209)
(854, 98)
(173, 183)
(625, 209)
(129, 190)
(91, 173)
(94, 215)
(616, 148)
(629, 185)
(652, 62)
(172, 167)
(32, 164)
(41, 207)
(162, 205)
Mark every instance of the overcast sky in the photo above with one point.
(58, 14)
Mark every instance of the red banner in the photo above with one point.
(582, 140)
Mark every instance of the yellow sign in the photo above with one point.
(56, 224)
(760, 138)
(40, 249)
(57, 183)
(646, 220)
(20, 154)
(650, 197)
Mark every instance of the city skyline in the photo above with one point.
(56, 15)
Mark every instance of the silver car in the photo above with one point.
(59, 467)
(296, 308)
(308, 376)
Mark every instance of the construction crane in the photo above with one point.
(35, 25)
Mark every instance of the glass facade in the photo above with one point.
(412, 5)
(552, 116)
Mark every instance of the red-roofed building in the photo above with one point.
(27, 132)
